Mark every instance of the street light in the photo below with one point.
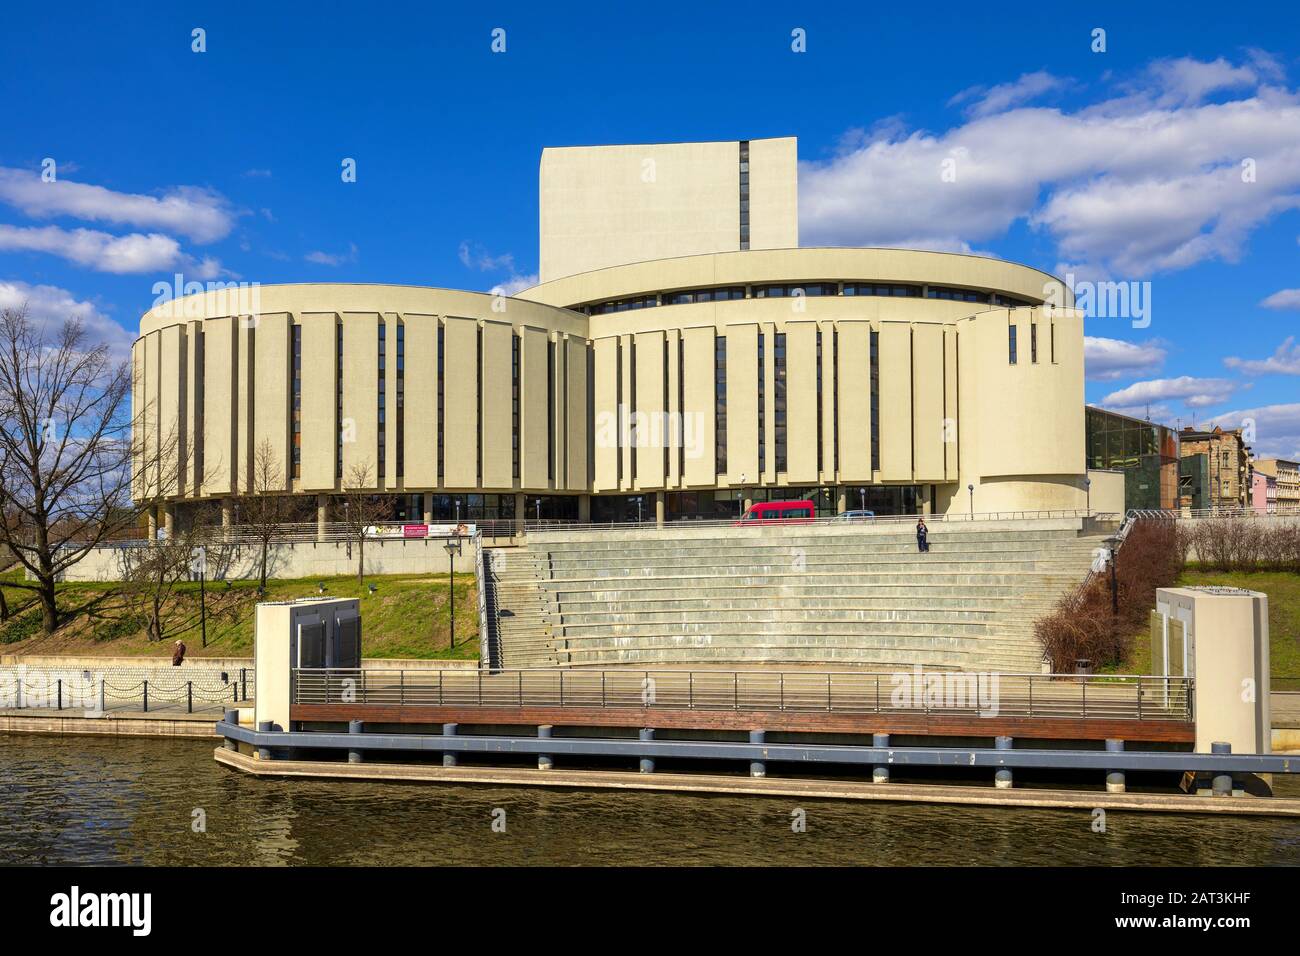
(971, 489)
(1113, 544)
(1087, 488)
(453, 552)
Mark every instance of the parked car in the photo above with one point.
(856, 516)
(778, 512)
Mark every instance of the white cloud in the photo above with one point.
(1276, 427)
(1193, 392)
(200, 214)
(1285, 361)
(1159, 413)
(514, 284)
(1283, 299)
(1141, 182)
(998, 99)
(50, 304)
(1108, 359)
(332, 259)
(104, 252)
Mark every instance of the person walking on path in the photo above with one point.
(922, 542)
(178, 655)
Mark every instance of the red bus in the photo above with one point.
(777, 512)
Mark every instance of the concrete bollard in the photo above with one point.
(264, 727)
(1002, 778)
(355, 727)
(647, 763)
(1221, 786)
(1114, 778)
(544, 761)
(231, 716)
(757, 768)
(448, 756)
(880, 771)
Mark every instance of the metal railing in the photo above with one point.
(951, 693)
(124, 689)
(832, 521)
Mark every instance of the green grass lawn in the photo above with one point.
(408, 616)
(1283, 590)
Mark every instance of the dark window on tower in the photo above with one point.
(383, 397)
(631, 403)
(441, 364)
(778, 401)
(401, 399)
(744, 194)
(875, 400)
(550, 411)
(297, 401)
(1011, 343)
(720, 401)
(762, 411)
(338, 401)
(835, 396)
(819, 401)
(198, 412)
(1033, 341)
(514, 405)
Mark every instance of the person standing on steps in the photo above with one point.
(178, 653)
(922, 542)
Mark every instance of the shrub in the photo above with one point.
(21, 627)
(1085, 625)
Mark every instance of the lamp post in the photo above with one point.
(453, 551)
(203, 603)
(971, 488)
(1113, 544)
(1087, 489)
(862, 498)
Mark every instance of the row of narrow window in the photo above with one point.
(779, 290)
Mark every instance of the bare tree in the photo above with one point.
(264, 508)
(67, 446)
(362, 509)
(150, 572)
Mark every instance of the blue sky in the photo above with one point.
(1123, 165)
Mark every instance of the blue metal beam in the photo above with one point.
(1171, 761)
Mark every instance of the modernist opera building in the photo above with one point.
(680, 356)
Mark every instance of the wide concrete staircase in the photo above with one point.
(797, 595)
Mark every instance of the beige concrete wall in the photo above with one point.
(651, 405)
(534, 417)
(421, 469)
(460, 403)
(320, 428)
(1018, 429)
(1107, 491)
(698, 418)
(801, 403)
(360, 427)
(498, 405)
(773, 193)
(271, 410)
(602, 206)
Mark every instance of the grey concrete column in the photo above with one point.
(153, 525)
(842, 502)
(264, 727)
(322, 516)
(544, 761)
(758, 768)
(1002, 778)
(584, 507)
(880, 771)
(227, 512)
(231, 717)
(520, 517)
(448, 756)
(428, 507)
(647, 763)
(1221, 786)
(659, 509)
(1114, 778)
(746, 504)
(169, 519)
(355, 727)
